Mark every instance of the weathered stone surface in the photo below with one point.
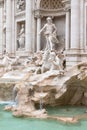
(6, 91)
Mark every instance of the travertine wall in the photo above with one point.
(1, 26)
(71, 23)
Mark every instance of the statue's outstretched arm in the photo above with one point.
(42, 29)
(21, 32)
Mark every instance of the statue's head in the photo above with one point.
(49, 19)
(22, 25)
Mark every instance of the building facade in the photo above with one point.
(21, 21)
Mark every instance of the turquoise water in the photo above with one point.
(8, 122)
(66, 111)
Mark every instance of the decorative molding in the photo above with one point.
(51, 4)
(20, 14)
(61, 8)
(52, 13)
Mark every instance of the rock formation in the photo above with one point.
(50, 87)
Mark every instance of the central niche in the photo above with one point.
(51, 4)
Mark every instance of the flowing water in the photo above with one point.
(8, 122)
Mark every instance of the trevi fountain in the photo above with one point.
(43, 65)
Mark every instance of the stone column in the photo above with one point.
(75, 24)
(8, 26)
(67, 31)
(38, 35)
(28, 46)
(82, 46)
(13, 27)
(1, 27)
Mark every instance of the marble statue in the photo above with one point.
(15, 61)
(5, 63)
(82, 73)
(8, 62)
(45, 62)
(55, 62)
(50, 34)
(21, 37)
(51, 61)
(62, 60)
(20, 5)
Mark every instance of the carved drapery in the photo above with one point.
(21, 36)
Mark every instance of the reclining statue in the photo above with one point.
(7, 62)
(51, 61)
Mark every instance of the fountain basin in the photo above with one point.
(9, 122)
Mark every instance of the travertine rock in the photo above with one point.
(50, 88)
(6, 91)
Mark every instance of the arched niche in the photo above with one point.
(61, 18)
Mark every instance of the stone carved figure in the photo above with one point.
(82, 73)
(20, 5)
(15, 61)
(51, 61)
(21, 37)
(6, 62)
(45, 61)
(50, 34)
(55, 62)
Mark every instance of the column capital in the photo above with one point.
(37, 13)
(67, 4)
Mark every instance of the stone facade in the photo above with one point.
(69, 16)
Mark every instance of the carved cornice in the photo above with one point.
(20, 14)
(52, 13)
